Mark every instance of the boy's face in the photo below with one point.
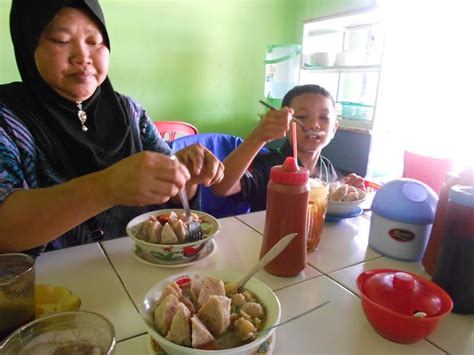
(318, 114)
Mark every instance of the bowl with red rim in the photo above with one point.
(170, 254)
(402, 306)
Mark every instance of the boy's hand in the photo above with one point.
(273, 125)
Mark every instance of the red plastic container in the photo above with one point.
(391, 298)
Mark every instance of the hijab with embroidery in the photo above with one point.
(53, 120)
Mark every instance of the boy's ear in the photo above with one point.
(336, 126)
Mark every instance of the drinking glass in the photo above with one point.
(318, 202)
(77, 332)
(17, 291)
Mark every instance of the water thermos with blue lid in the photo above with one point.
(455, 265)
(402, 217)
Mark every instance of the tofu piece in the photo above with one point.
(164, 313)
(196, 285)
(200, 335)
(215, 314)
(168, 235)
(155, 233)
(211, 286)
(180, 229)
(171, 289)
(180, 329)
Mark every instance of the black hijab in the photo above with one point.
(52, 119)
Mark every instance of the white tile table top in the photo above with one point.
(255, 220)
(133, 346)
(454, 334)
(238, 248)
(87, 273)
(342, 243)
(338, 328)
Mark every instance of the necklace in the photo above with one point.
(81, 114)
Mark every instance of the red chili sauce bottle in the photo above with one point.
(287, 211)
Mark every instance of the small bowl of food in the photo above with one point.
(401, 306)
(344, 199)
(202, 312)
(77, 332)
(161, 237)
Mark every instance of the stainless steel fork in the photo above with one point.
(194, 228)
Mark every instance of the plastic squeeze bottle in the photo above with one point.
(287, 211)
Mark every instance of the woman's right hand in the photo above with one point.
(142, 179)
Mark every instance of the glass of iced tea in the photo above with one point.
(318, 201)
(17, 291)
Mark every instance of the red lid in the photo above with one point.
(289, 173)
(403, 292)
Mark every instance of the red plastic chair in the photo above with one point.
(431, 171)
(169, 129)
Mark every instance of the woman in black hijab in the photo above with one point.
(76, 156)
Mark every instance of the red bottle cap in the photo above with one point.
(289, 173)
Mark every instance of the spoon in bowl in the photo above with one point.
(269, 256)
(292, 318)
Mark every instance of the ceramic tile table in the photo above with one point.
(238, 248)
(455, 333)
(342, 243)
(114, 284)
(87, 273)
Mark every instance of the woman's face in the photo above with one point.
(318, 114)
(71, 55)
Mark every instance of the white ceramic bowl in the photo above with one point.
(170, 253)
(265, 295)
(339, 208)
(323, 59)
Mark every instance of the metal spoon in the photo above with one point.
(293, 318)
(307, 131)
(269, 256)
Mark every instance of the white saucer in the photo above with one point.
(208, 250)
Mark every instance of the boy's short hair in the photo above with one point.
(305, 89)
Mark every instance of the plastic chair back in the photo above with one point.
(221, 145)
(431, 171)
(169, 129)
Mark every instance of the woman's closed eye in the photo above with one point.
(60, 41)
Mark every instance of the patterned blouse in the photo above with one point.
(24, 166)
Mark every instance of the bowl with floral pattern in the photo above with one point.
(160, 236)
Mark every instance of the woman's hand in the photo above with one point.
(203, 166)
(273, 125)
(354, 180)
(142, 179)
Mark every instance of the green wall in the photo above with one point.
(199, 61)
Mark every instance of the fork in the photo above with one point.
(194, 228)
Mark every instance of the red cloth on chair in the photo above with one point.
(429, 170)
(171, 128)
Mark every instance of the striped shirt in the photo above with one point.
(23, 165)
